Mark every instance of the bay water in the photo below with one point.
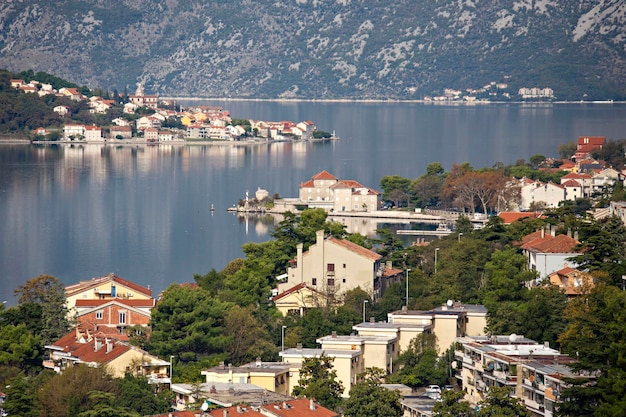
(144, 212)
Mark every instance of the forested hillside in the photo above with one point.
(323, 49)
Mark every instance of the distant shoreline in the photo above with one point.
(345, 100)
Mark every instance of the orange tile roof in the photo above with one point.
(571, 183)
(510, 216)
(552, 244)
(591, 140)
(308, 183)
(353, 247)
(323, 175)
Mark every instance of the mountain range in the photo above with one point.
(322, 49)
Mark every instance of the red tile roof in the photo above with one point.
(308, 183)
(591, 140)
(353, 247)
(510, 216)
(323, 175)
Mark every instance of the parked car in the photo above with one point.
(433, 389)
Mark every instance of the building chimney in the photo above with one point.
(319, 238)
(239, 410)
(333, 334)
(109, 344)
(97, 344)
(258, 362)
(543, 233)
(299, 346)
(372, 319)
(312, 405)
(225, 413)
(284, 405)
(389, 263)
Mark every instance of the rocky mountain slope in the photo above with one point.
(360, 49)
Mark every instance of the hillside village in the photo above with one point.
(193, 123)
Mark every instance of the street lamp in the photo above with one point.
(407, 288)
(364, 302)
(171, 368)
(436, 250)
(282, 338)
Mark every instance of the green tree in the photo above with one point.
(537, 160)
(104, 404)
(596, 336)
(369, 399)
(419, 364)
(49, 293)
(603, 247)
(247, 338)
(189, 323)
(452, 404)
(395, 188)
(499, 403)
(318, 380)
(137, 394)
(21, 398)
(20, 348)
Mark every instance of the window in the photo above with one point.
(331, 282)
(343, 280)
(344, 266)
(330, 267)
(99, 315)
(314, 281)
(122, 317)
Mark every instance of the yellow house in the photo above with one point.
(378, 350)
(272, 376)
(298, 299)
(107, 287)
(447, 322)
(333, 266)
(346, 363)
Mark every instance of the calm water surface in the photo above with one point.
(78, 212)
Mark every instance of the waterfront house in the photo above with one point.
(326, 191)
(121, 132)
(583, 182)
(93, 133)
(536, 192)
(73, 132)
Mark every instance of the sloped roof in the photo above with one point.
(291, 290)
(353, 247)
(94, 282)
(510, 216)
(308, 183)
(347, 184)
(576, 176)
(571, 183)
(550, 244)
(323, 175)
(591, 140)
